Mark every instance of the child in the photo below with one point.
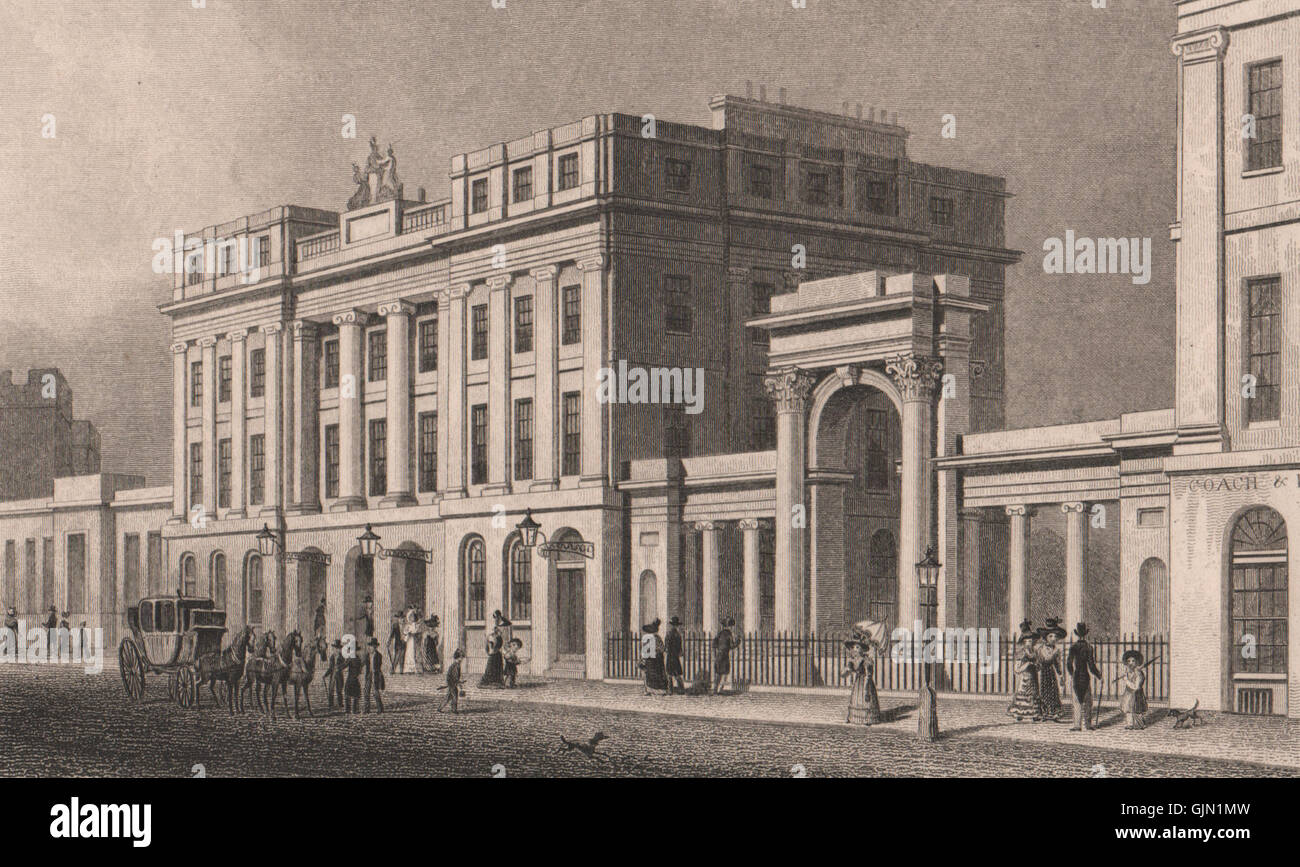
(452, 698)
(512, 661)
(334, 675)
(1134, 700)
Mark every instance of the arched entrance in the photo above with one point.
(407, 578)
(358, 585)
(311, 590)
(855, 444)
(1153, 597)
(1257, 613)
(570, 599)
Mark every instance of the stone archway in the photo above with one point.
(358, 583)
(311, 581)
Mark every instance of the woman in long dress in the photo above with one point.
(493, 673)
(864, 704)
(411, 631)
(652, 658)
(432, 662)
(1134, 700)
(1049, 670)
(1025, 705)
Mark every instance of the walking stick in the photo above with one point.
(1096, 723)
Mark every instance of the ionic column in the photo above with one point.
(238, 429)
(1076, 552)
(1018, 567)
(397, 315)
(751, 591)
(306, 418)
(208, 346)
(499, 409)
(546, 352)
(593, 412)
(351, 398)
(970, 567)
(789, 388)
(915, 376)
(452, 431)
(180, 400)
(273, 423)
(709, 573)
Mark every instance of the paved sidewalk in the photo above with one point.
(1263, 740)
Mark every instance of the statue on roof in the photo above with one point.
(361, 197)
(377, 182)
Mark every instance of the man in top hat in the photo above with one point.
(366, 619)
(673, 649)
(1134, 700)
(723, 642)
(374, 675)
(51, 627)
(318, 623)
(11, 628)
(334, 674)
(1082, 667)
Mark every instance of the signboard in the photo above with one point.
(586, 549)
(308, 557)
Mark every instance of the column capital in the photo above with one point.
(180, 348)
(239, 335)
(544, 272)
(303, 329)
(1076, 507)
(1209, 44)
(789, 387)
(1020, 511)
(915, 375)
(750, 524)
(273, 328)
(499, 281)
(351, 317)
(207, 342)
(458, 292)
(591, 263)
(397, 308)
(707, 526)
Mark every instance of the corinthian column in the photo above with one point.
(306, 419)
(398, 314)
(915, 376)
(789, 388)
(351, 396)
(1076, 553)
(180, 400)
(273, 421)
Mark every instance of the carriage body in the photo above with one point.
(168, 635)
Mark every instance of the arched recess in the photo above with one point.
(217, 579)
(1153, 597)
(309, 575)
(648, 598)
(828, 387)
(407, 581)
(358, 584)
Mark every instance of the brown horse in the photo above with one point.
(226, 666)
(264, 672)
(303, 668)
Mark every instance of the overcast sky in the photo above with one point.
(172, 117)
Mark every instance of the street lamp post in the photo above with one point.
(927, 576)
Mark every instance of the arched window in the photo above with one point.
(882, 577)
(189, 579)
(218, 579)
(474, 580)
(253, 590)
(1153, 597)
(521, 582)
(1259, 589)
(649, 598)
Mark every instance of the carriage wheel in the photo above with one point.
(185, 687)
(171, 686)
(131, 668)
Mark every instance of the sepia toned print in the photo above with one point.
(629, 389)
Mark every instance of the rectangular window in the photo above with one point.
(153, 573)
(523, 439)
(523, 184)
(568, 171)
(760, 305)
(378, 342)
(1259, 616)
(571, 326)
(428, 451)
(677, 304)
(762, 434)
(816, 188)
(524, 324)
(877, 193)
(223, 379)
(1265, 149)
(196, 383)
(1264, 360)
(194, 276)
(677, 431)
(378, 457)
(257, 373)
(196, 474)
(761, 181)
(331, 461)
(227, 264)
(478, 444)
(479, 196)
(677, 175)
(331, 364)
(428, 340)
(223, 473)
(256, 467)
(76, 569)
(941, 210)
(263, 250)
(572, 455)
(479, 332)
(878, 465)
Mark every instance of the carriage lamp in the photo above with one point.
(927, 579)
(528, 530)
(371, 547)
(269, 543)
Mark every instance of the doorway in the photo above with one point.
(571, 607)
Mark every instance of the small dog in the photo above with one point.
(1185, 719)
(587, 747)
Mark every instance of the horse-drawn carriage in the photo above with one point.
(168, 635)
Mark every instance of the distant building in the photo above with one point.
(39, 438)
